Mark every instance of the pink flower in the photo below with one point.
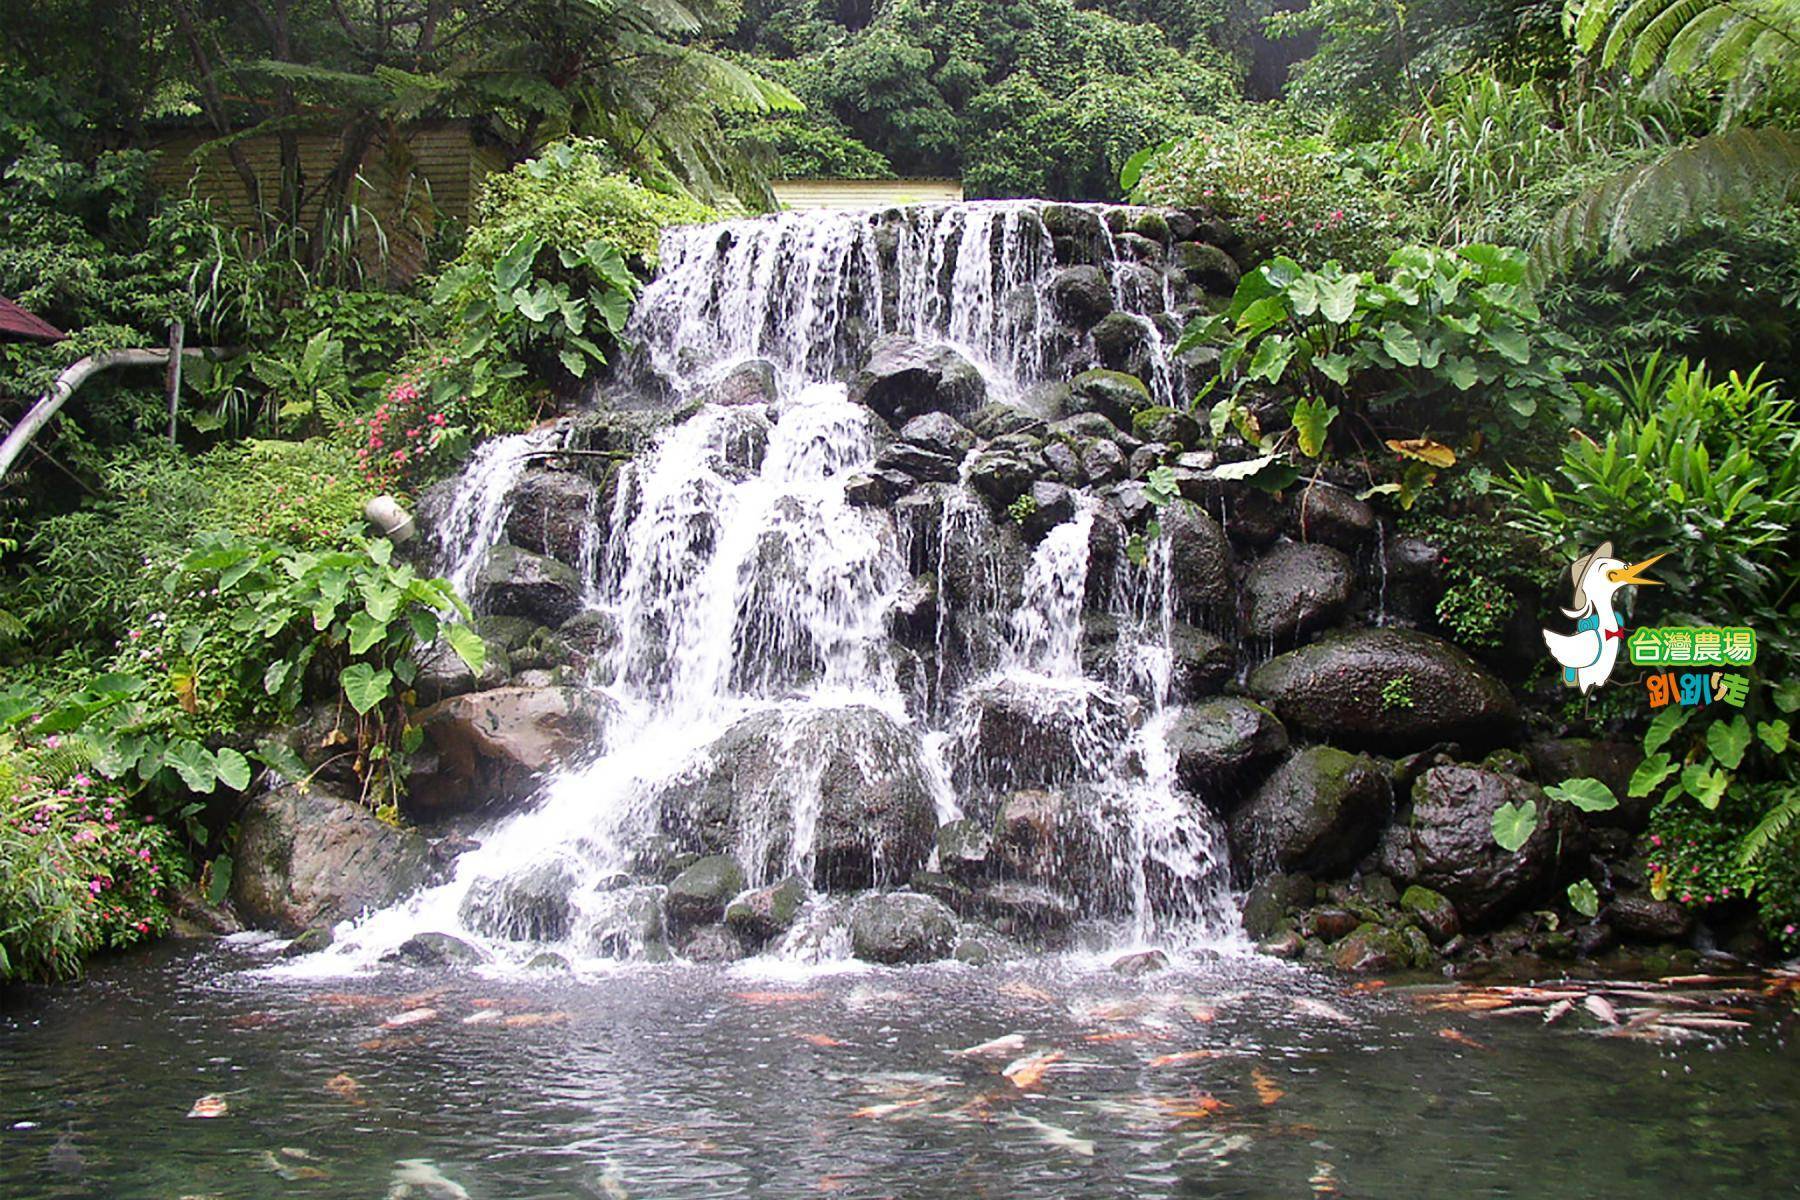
(94, 886)
(144, 855)
(1656, 839)
(1789, 929)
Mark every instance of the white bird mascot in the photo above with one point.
(1587, 655)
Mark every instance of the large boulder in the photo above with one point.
(939, 433)
(1200, 564)
(767, 912)
(1206, 267)
(901, 927)
(751, 382)
(1221, 742)
(1323, 513)
(305, 858)
(1448, 843)
(1319, 813)
(554, 513)
(1611, 762)
(1122, 343)
(490, 749)
(627, 923)
(517, 583)
(905, 378)
(1386, 689)
(699, 894)
(858, 775)
(1017, 733)
(1296, 589)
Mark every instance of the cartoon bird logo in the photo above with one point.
(1587, 656)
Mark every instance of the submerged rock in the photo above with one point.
(435, 950)
(901, 927)
(1386, 689)
(627, 923)
(905, 378)
(534, 905)
(1144, 962)
(1318, 813)
(491, 749)
(311, 858)
(862, 772)
(1448, 844)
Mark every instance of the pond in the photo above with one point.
(1232, 1077)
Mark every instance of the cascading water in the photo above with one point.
(758, 683)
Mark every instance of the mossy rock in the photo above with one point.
(1160, 423)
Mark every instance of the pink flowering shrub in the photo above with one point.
(409, 438)
(79, 870)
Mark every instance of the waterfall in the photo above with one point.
(754, 667)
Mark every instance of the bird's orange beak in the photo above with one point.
(1634, 573)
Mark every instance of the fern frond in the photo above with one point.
(1776, 822)
(1647, 205)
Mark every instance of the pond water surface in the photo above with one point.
(1233, 1078)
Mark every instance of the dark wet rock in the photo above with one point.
(1139, 248)
(901, 927)
(517, 583)
(627, 923)
(1286, 943)
(1023, 908)
(1593, 939)
(553, 512)
(1000, 417)
(1415, 579)
(1140, 287)
(1166, 425)
(1051, 505)
(966, 849)
(491, 749)
(1323, 513)
(1200, 564)
(905, 378)
(1448, 843)
(916, 463)
(1329, 924)
(1334, 689)
(1102, 462)
(1272, 898)
(1641, 919)
(1556, 760)
(1373, 950)
(877, 821)
(1433, 911)
(1114, 395)
(913, 620)
(941, 434)
(1140, 964)
(435, 950)
(751, 382)
(1148, 223)
(534, 905)
(767, 912)
(1081, 295)
(1121, 343)
(1203, 662)
(877, 488)
(1000, 476)
(548, 962)
(700, 893)
(442, 673)
(1297, 589)
(1015, 733)
(1206, 267)
(1319, 813)
(1221, 742)
(714, 944)
(310, 858)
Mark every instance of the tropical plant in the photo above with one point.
(1746, 54)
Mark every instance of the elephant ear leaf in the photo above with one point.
(468, 646)
(364, 686)
(1589, 795)
(1514, 824)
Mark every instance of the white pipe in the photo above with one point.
(64, 387)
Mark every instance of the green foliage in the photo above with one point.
(1587, 794)
(1749, 49)
(79, 871)
(1397, 693)
(1448, 331)
(1023, 508)
(1513, 824)
(1696, 857)
(1702, 469)
(1475, 610)
(1290, 192)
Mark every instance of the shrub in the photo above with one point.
(79, 871)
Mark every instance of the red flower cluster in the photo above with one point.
(404, 429)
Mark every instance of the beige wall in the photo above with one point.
(865, 193)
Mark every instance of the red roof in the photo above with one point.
(15, 322)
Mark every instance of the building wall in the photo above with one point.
(865, 193)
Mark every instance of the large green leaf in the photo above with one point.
(1650, 773)
(1663, 727)
(1727, 740)
(365, 631)
(233, 768)
(1587, 794)
(511, 269)
(1584, 899)
(1513, 824)
(468, 646)
(364, 686)
(194, 763)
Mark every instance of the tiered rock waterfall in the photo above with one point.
(833, 629)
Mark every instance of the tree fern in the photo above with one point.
(1655, 202)
(1749, 48)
